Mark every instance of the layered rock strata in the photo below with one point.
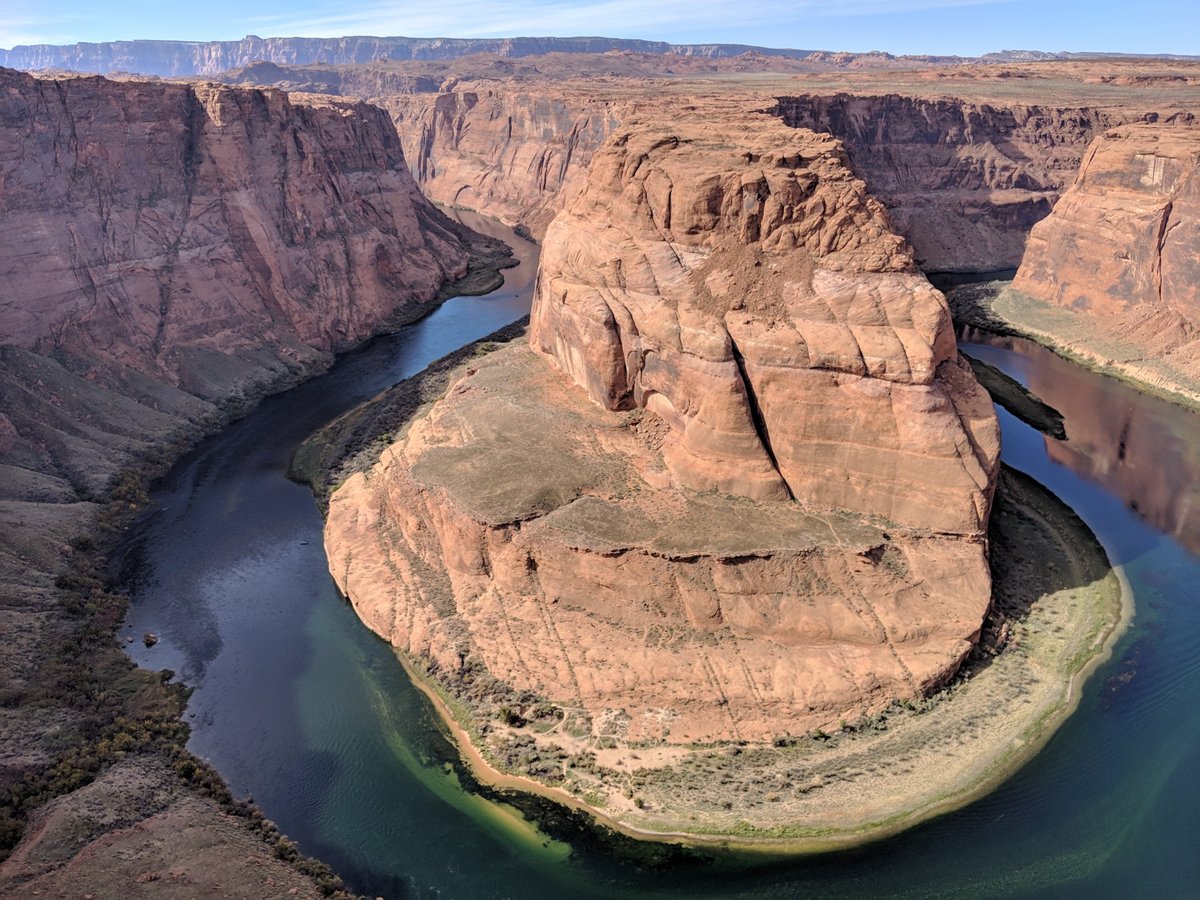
(963, 177)
(738, 486)
(1122, 247)
(168, 254)
(519, 155)
(963, 180)
(176, 58)
(167, 249)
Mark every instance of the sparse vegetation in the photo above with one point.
(122, 712)
(923, 753)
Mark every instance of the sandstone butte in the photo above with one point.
(1121, 251)
(965, 158)
(964, 170)
(736, 486)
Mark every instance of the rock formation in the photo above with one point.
(168, 254)
(515, 154)
(737, 488)
(964, 178)
(964, 181)
(168, 248)
(730, 291)
(1122, 246)
(967, 158)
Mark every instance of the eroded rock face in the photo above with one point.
(168, 250)
(523, 527)
(964, 181)
(144, 222)
(963, 177)
(746, 289)
(519, 155)
(738, 491)
(1123, 244)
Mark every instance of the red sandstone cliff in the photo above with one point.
(744, 287)
(165, 248)
(745, 495)
(1122, 246)
(964, 178)
(964, 181)
(167, 255)
(516, 154)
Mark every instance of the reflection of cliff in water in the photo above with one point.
(1143, 449)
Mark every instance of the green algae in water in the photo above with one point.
(389, 740)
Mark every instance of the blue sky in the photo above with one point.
(900, 26)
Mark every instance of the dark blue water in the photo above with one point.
(300, 707)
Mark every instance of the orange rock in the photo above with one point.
(964, 180)
(756, 503)
(177, 230)
(745, 288)
(1125, 239)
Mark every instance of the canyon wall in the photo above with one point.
(168, 254)
(963, 181)
(489, 142)
(168, 249)
(514, 154)
(1122, 246)
(735, 487)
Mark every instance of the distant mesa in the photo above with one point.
(180, 58)
(184, 58)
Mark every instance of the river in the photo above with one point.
(300, 707)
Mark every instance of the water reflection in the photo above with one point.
(1143, 450)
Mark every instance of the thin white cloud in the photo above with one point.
(750, 21)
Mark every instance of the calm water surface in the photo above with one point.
(301, 708)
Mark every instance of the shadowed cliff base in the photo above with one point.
(1056, 610)
(1012, 395)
